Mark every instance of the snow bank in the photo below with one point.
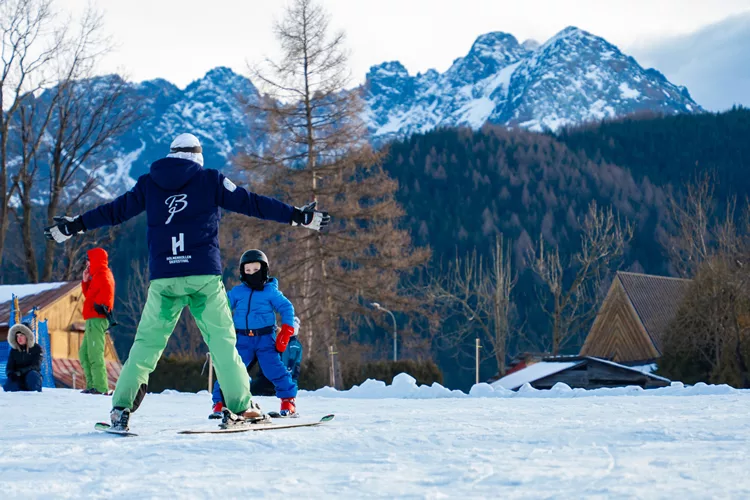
(404, 386)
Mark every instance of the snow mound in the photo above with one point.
(405, 386)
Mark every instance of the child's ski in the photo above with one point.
(275, 414)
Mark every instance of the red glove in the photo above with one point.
(282, 339)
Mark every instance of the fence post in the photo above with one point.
(333, 367)
(477, 358)
(210, 373)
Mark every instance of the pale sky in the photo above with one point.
(182, 39)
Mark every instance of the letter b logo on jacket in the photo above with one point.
(176, 203)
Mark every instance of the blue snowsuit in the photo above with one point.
(254, 314)
(292, 361)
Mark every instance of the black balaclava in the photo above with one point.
(257, 280)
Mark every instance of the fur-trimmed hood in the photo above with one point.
(21, 328)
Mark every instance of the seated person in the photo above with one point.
(24, 368)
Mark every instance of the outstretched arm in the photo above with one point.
(115, 212)
(118, 210)
(237, 199)
(240, 200)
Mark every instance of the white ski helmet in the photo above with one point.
(188, 147)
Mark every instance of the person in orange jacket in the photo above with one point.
(99, 297)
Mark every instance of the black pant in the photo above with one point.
(30, 381)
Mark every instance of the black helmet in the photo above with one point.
(254, 256)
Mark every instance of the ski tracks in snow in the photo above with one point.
(617, 446)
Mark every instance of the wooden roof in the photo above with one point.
(63, 370)
(631, 323)
(39, 300)
(655, 300)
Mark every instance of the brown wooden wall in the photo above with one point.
(617, 333)
(64, 319)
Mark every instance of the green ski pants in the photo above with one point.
(91, 354)
(209, 304)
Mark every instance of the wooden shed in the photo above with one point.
(584, 372)
(61, 305)
(633, 318)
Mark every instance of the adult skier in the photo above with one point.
(182, 201)
(98, 286)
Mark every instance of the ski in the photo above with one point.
(262, 426)
(104, 427)
(275, 414)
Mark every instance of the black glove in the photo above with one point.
(310, 218)
(64, 228)
(101, 309)
(106, 311)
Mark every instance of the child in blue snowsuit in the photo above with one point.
(254, 305)
(291, 358)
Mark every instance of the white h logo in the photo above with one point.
(178, 244)
(177, 203)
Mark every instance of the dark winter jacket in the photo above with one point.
(22, 360)
(252, 309)
(100, 289)
(292, 357)
(182, 202)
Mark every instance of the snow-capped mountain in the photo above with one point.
(572, 78)
(213, 108)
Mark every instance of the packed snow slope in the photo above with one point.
(396, 441)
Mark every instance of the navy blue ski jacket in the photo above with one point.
(182, 201)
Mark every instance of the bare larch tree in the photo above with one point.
(80, 117)
(32, 41)
(474, 295)
(318, 150)
(572, 286)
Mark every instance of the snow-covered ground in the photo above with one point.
(674, 442)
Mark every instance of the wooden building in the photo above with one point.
(61, 305)
(582, 372)
(634, 316)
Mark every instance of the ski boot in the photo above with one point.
(253, 415)
(288, 407)
(120, 418)
(217, 411)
